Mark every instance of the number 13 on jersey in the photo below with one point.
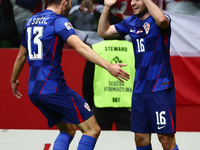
(38, 33)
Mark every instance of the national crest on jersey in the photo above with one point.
(146, 26)
(43, 37)
(87, 106)
(151, 47)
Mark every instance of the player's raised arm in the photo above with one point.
(161, 20)
(105, 30)
(17, 68)
(85, 51)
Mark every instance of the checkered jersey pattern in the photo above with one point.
(152, 58)
(44, 37)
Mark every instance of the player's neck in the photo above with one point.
(145, 16)
(55, 8)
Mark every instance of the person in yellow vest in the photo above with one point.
(109, 98)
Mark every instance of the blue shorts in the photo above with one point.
(154, 112)
(67, 106)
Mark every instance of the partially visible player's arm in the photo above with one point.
(160, 18)
(17, 68)
(105, 30)
(85, 51)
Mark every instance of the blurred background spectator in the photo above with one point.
(186, 7)
(24, 9)
(8, 30)
(21, 16)
(122, 9)
(84, 17)
(34, 5)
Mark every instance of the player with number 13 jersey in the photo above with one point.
(42, 42)
(44, 38)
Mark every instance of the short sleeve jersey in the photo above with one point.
(43, 37)
(152, 58)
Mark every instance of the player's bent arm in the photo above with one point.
(160, 18)
(18, 65)
(85, 51)
(111, 32)
(105, 30)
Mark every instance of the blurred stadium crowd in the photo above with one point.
(15, 13)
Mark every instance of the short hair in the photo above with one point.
(50, 2)
(80, 1)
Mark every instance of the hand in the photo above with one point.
(87, 4)
(118, 72)
(14, 89)
(109, 3)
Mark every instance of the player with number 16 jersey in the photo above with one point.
(153, 72)
(153, 101)
(152, 58)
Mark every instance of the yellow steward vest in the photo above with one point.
(109, 91)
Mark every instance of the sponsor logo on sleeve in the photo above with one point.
(68, 25)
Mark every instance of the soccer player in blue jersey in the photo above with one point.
(153, 100)
(42, 42)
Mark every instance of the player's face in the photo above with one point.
(139, 8)
(66, 7)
